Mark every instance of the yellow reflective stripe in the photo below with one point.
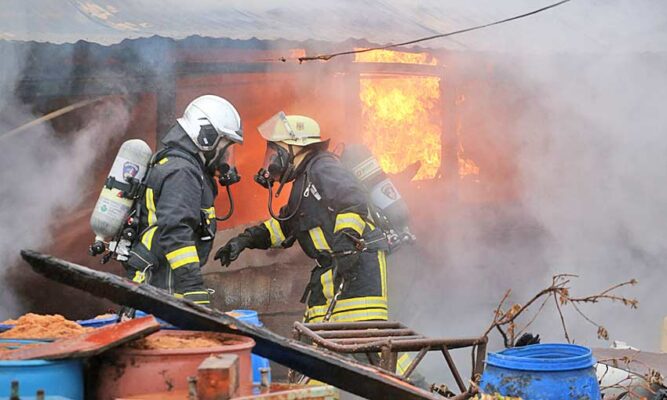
(184, 261)
(197, 292)
(147, 238)
(327, 285)
(403, 363)
(277, 235)
(317, 236)
(383, 272)
(183, 256)
(353, 303)
(179, 252)
(178, 295)
(150, 205)
(139, 277)
(358, 315)
(353, 316)
(163, 161)
(210, 212)
(351, 221)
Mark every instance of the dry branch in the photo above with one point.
(559, 291)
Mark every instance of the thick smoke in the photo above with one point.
(44, 173)
(592, 162)
(589, 141)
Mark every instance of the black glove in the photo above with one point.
(231, 251)
(527, 339)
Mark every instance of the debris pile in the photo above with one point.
(35, 326)
(195, 340)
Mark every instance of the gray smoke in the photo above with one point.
(589, 141)
(44, 173)
(592, 162)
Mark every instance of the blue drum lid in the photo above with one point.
(543, 357)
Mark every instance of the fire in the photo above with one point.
(401, 115)
(389, 56)
(466, 165)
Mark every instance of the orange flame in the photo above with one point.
(401, 114)
(466, 165)
(390, 56)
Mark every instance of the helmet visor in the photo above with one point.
(223, 159)
(209, 138)
(277, 128)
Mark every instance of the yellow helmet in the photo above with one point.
(296, 130)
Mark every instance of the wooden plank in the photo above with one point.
(333, 369)
(89, 344)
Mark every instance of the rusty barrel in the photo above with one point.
(133, 370)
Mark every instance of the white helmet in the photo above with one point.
(209, 118)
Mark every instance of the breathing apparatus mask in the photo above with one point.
(278, 166)
(220, 163)
(296, 132)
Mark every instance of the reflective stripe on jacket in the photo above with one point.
(177, 224)
(333, 212)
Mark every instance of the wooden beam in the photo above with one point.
(333, 369)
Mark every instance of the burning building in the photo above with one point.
(407, 106)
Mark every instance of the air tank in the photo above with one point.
(115, 201)
(383, 194)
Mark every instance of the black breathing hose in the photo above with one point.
(231, 206)
(296, 209)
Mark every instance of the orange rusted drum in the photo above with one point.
(157, 364)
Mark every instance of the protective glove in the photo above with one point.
(231, 251)
(527, 339)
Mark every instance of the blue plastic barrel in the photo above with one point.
(98, 322)
(62, 378)
(163, 324)
(250, 317)
(542, 372)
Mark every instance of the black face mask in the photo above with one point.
(220, 163)
(278, 166)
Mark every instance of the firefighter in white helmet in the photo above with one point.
(177, 214)
(327, 213)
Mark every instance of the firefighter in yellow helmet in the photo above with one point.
(327, 214)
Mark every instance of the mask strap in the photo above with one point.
(288, 170)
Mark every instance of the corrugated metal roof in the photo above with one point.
(581, 25)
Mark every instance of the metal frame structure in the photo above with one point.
(387, 339)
